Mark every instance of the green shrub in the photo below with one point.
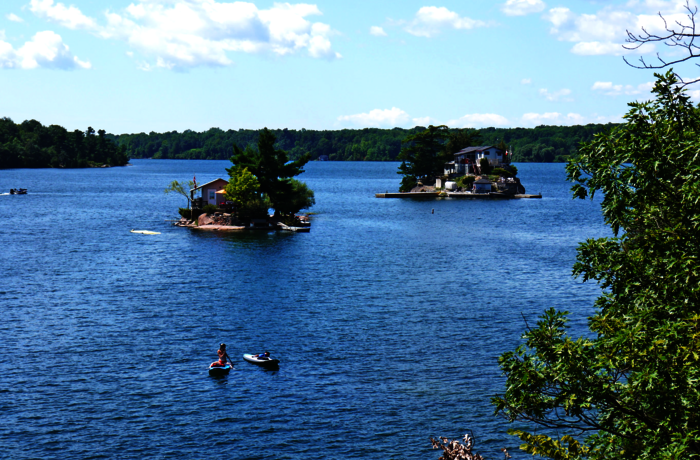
(485, 166)
(192, 214)
(209, 209)
(465, 182)
(407, 183)
(502, 172)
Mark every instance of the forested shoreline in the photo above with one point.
(541, 144)
(32, 145)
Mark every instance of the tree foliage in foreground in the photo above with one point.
(32, 145)
(264, 177)
(630, 389)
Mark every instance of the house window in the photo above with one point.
(212, 195)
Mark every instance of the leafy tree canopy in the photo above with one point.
(630, 389)
(32, 145)
(539, 144)
(243, 187)
(271, 168)
(301, 197)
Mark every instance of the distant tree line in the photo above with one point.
(540, 144)
(543, 144)
(32, 145)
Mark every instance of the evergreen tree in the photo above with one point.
(423, 155)
(271, 168)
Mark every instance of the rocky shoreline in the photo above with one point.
(225, 222)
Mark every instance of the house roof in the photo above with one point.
(208, 183)
(476, 149)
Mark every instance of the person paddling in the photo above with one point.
(223, 356)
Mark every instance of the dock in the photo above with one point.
(424, 195)
(408, 195)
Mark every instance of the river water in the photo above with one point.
(388, 317)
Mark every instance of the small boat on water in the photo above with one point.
(264, 362)
(220, 371)
(19, 191)
(145, 232)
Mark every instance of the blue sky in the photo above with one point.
(161, 65)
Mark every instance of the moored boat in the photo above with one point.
(264, 362)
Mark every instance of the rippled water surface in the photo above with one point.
(388, 318)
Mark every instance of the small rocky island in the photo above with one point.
(213, 210)
(438, 162)
(259, 180)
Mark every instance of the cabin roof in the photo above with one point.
(208, 183)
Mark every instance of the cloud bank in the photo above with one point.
(378, 118)
(181, 34)
(431, 20)
(607, 88)
(522, 7)
(603, 33)
(45, 50)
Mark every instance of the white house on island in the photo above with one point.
(465, 159)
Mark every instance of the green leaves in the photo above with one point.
(273, 172)
(630, 390)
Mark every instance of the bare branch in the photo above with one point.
(678, 35)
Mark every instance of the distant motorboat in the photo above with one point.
(19, 191)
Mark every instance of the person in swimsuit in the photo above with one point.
(265, 355)
(223, 356)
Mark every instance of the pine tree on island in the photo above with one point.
(263, 178)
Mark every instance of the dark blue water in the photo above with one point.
(388, 318)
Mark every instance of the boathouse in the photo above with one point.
(211, 192)
(482, 186)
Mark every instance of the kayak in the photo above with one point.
(265, 362)
(218, 371)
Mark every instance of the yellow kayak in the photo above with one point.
(145, 232)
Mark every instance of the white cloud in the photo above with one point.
(431, 20)
(526, 81)
(425, 121)
(378, 118)
(522, 7)
(377, 31)
(70, 17)
(553, 118)
(599, 48)
(694, 94)
(45, 50)
(179, 34)
(559, 95)
(475, 120)
(604, 32)
(607, 88)
(14, 18)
